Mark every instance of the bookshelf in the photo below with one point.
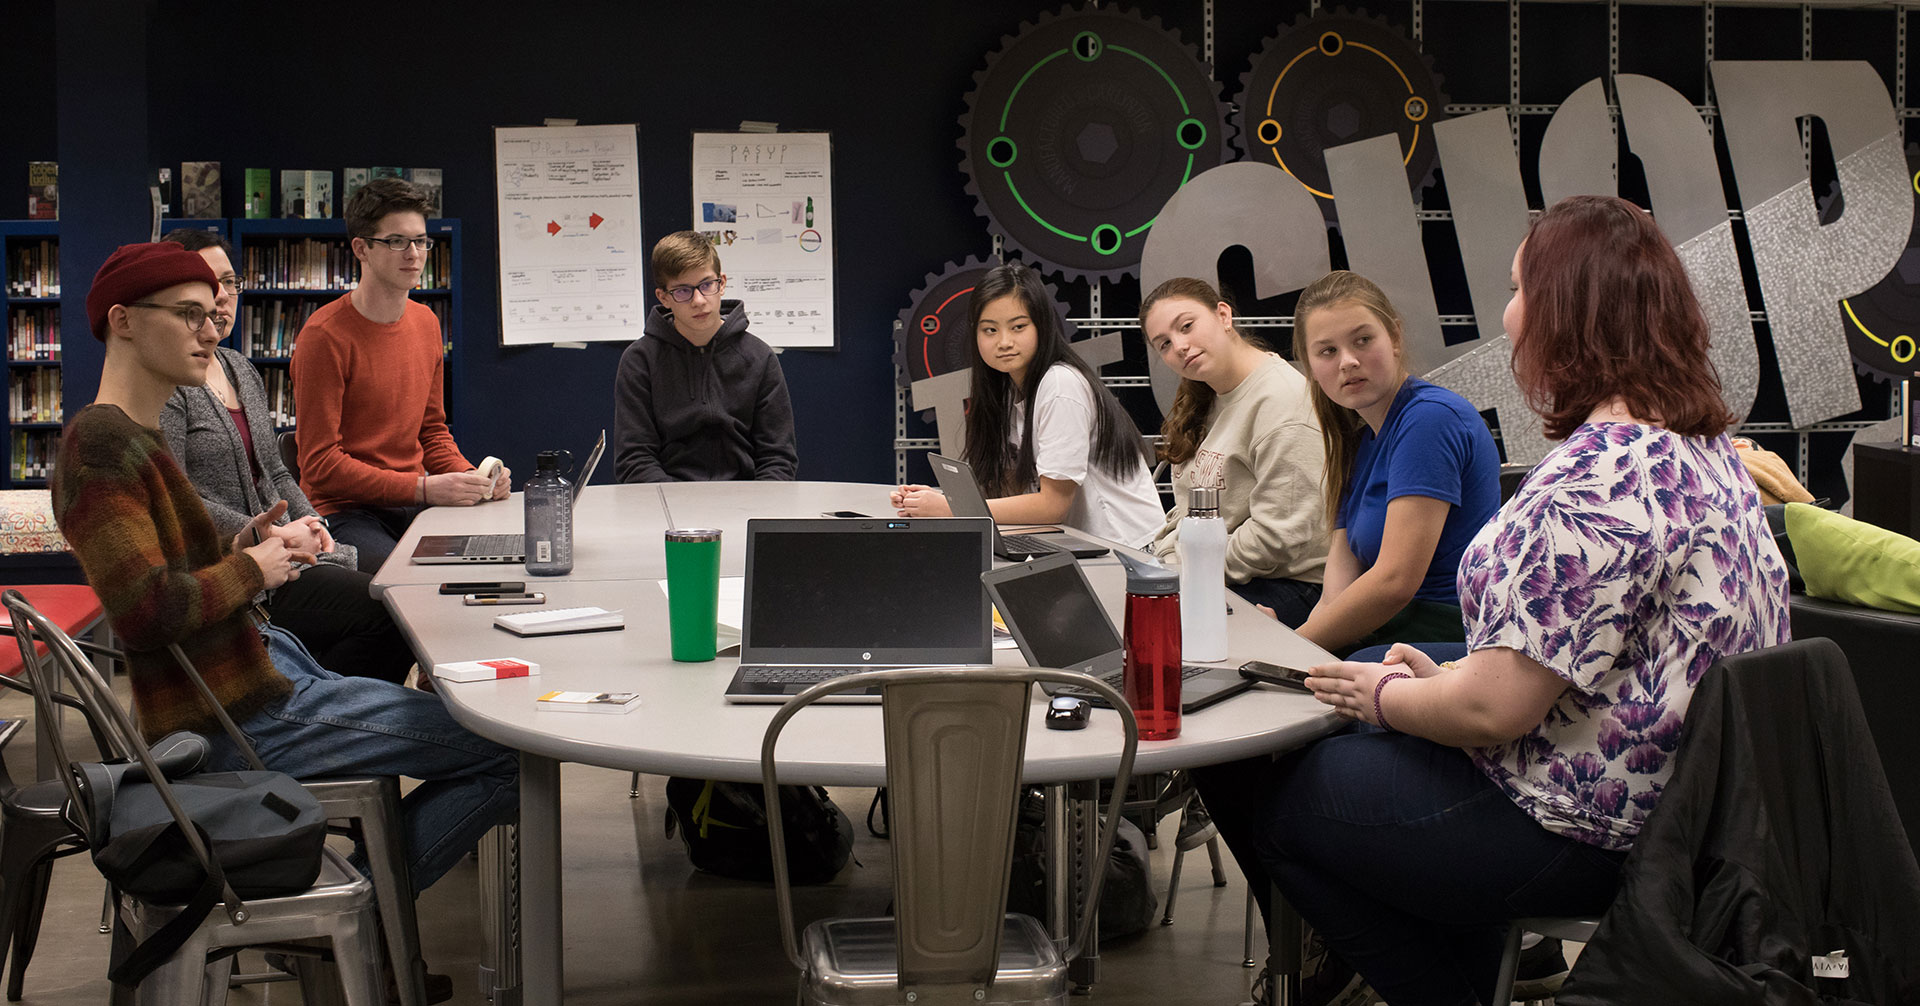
(30, 302)
(290, 268)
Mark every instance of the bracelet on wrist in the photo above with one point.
(1379, 716)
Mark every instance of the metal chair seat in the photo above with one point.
(339, 907)
(857, 961)
(33, 834)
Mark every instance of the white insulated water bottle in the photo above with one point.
(1203, 578)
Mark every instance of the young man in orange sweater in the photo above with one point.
(374, 445)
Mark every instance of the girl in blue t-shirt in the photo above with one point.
(1412, 473)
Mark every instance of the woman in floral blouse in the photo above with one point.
(1510, 782)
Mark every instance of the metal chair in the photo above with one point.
(339, 908)
(1567, 930)
(955, 745)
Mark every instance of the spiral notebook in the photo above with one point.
(557, 620)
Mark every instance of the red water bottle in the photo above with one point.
(1152, 677)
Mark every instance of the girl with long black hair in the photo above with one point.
(1047, 440)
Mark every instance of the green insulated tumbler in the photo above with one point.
(693, 591)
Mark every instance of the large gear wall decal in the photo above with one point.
(1336, 78)
(933, 338)
(1079, 130)
(1883, 322)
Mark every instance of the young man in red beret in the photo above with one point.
(165, 576)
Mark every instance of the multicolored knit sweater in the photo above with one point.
(163, 574)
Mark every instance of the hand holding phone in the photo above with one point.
(1274, 674)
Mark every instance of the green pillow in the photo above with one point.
(1843, 559)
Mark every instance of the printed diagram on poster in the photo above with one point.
(572, 266)
(766, 202)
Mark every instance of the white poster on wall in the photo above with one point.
(572, 262)
(766, 202)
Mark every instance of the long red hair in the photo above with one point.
(1609, 314)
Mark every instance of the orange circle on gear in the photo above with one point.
(1261, 131)
(1417, 109)
(1333, 49)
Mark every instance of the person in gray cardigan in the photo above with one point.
(222, 435)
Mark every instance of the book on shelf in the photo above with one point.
(259, 193)
(350, 181)
(268, 329)
(380, 172)
(298, 264)
(319, 195)
(279, 386)
(427, 180)
(33, 269)
(43, 190)
(588, 702)
(200, 190)
(33, 396)
(33, 452)
(162, 185)
(557, 620)
(33, 335)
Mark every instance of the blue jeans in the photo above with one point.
(1291, 600)
(374, 530)
(1411, 862)
(333, 726)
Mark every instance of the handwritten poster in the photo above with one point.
(572, 262)
(766, 202)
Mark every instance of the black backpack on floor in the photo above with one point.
(724, 825)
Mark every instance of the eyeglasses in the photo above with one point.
(707, 287)
(400, 243)
(193, 314)
(230, 283)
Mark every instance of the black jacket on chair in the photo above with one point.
(1774, 841)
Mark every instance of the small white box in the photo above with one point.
(486, 670)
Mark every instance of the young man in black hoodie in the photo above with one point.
(698, 398)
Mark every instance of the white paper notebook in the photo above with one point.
(543, 623)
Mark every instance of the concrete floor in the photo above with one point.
(642, 927)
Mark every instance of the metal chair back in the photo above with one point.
(955, 746)
(105, 717)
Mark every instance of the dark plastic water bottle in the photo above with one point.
(549, 498)
(1151, 680)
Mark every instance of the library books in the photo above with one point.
(200, 190)
(588, 702)
(350, 181)
(269, 329)
(162, 185)
(279, 395)
(298, 264)
(33, 453)
(33, 269)
(259, 193)
(427, 180)
(43, 190)
(33, 335)
(387, 172)
(33, 396)
(307, 194)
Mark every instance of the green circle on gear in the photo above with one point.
(1001, 143)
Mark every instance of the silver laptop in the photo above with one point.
(826, 597)
(965, 499)
(451, 548)
(1054, 615)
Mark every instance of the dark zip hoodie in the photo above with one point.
(713, 413)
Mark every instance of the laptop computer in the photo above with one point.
(1057, 620)
(831, 596)
(451, 548)
(965, 499)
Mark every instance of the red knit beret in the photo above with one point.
(134, 272)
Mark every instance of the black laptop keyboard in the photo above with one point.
(1115, 678)
(785, 674)
(1026, 545)
(495, 544)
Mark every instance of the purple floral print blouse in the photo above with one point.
(1629, 562)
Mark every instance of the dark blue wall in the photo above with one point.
(270, 87)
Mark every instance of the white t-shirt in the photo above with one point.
(1126, 510)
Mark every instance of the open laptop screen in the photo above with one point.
(845, 587)
(1059, 618)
